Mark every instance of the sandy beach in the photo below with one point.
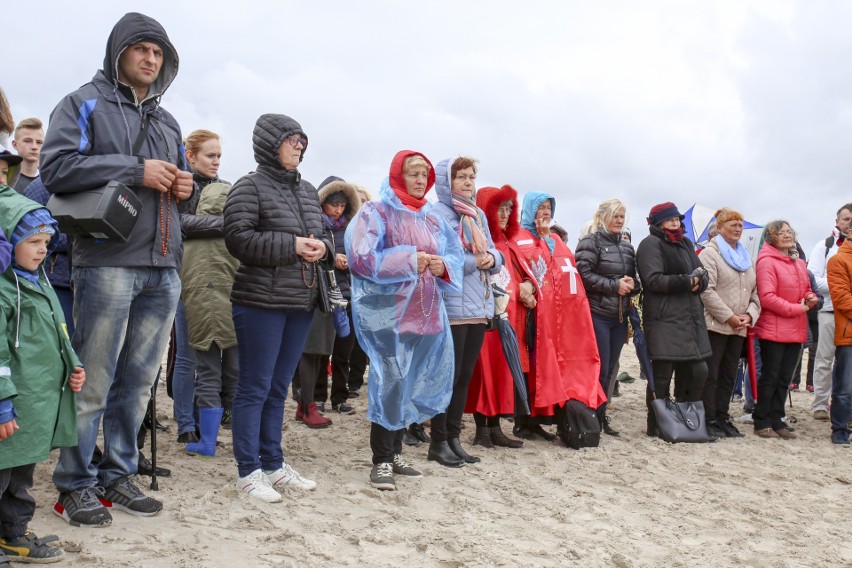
(634, 501)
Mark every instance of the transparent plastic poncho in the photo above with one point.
(399, 315)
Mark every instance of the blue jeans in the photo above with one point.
(123, 318)
(183, 380)
(841, 390)
(270, 344)
(611, 336)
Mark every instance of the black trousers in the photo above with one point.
(385, 443)
(340, 361)
(311, 368)
(689, 377)
(467, 343)
(357, 365)
(814, 327)
(779, 361)
(17, 506)
(721, 374)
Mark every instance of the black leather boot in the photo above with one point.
(441, 453)
(419, 432)
(652, 429)
(483, 437)
(605, 427)
(500, 439)
(455, 445)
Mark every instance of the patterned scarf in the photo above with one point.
(334, 224)
(470, 225)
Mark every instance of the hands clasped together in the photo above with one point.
(165, 177)
(310, 249)
(433, 262)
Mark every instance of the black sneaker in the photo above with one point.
(354, 392)
(83, 508)
(381, 477)
(30, 548)
(402, 467)
(321, 407)
(343, 408)
(124, 495)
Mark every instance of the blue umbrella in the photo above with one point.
(640, 343)
(509, 341)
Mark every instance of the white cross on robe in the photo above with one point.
(573, 272)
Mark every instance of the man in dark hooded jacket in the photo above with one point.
(125, 294)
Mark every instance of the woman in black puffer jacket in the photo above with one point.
(273, 226)
(672, 311)
(607, 265)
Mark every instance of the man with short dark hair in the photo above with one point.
(817, 261)
(125, 294)
(28, 140)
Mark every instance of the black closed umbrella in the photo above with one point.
(509, 341)
(640, 343)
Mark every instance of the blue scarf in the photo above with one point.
(738, 258)
(27, 275)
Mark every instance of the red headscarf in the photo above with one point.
(397, 179)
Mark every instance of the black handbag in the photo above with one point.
(681, 421)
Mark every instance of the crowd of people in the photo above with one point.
(233, 274)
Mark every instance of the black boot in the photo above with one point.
(483, 437)
(500, 439)
(145, 467)
(714, 429)
(409, 440)
(419, 432)
(653, 430)
(455, 445)
(441, 453)
(604, 421)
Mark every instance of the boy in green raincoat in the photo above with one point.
(39, 372)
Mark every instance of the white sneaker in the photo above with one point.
(286, 476)
(257, 485)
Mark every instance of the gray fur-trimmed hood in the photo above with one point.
(332, 185)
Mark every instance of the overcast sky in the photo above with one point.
(740, 104)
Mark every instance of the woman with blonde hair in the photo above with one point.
(731, 306)
(203, 154)
(607, 265)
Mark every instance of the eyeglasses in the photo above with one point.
(296, 139)
(504, 210)
(786, 233)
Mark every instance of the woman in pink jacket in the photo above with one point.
(785, 298)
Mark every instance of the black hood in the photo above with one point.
(132, 28)
(269, 133)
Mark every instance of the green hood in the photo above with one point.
(14, 206)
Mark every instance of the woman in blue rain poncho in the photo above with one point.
(402, 258)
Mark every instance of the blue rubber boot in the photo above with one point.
(208, 422)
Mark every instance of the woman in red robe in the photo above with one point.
(564, 361)
(491, 391)
(546, 295)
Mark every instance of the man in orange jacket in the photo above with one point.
(839, 273)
